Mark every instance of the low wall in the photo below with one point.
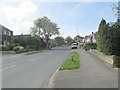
(113, 59)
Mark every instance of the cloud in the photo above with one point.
(19, 16)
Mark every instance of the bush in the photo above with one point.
(30, 47)
(17, 44)
(11, 46)
(4, 48)
(116, 61)
(18, 49)
(89, 46)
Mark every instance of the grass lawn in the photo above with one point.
(70, 64)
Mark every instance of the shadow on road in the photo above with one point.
(61, 48)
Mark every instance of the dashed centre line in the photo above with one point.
(15, 65)
(8, 67)
(35, 58)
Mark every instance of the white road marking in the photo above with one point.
(8, 67)
(35, 58)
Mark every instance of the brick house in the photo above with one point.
(79, 40)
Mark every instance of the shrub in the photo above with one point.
(116, 61)
(17, 44)
(11, 46)
(30, 47)
(88, 46)
(4, 48)
(18, 49)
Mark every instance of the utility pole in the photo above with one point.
(77, 30)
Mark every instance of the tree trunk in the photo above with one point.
(39, 43)
(47, 44)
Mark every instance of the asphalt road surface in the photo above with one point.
(31, 71)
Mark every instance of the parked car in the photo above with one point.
(74, 45)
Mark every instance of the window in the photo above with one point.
(2, 42)
(9, 33)
(5, 32)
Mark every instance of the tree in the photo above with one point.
(108, 39)
(100, 34)
(69, 40)
(26, 40)
(59, 41)
(114, 40)
(45, 28)
(52, 42)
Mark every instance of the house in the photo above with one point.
(90, 38)
(79, 39)
(5, 36)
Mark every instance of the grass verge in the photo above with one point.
(70, 64)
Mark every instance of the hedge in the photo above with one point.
(90, 45)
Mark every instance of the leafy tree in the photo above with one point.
(52, 42)
(44, 28)
(69, 40)
(59, 41)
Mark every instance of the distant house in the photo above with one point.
(79, 39)
(90, 38)
(5, 36)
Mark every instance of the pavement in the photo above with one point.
(93, 73)
(31, 71)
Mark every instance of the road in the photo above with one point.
(31, 71)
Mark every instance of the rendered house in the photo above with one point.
(5, 36)
(90, 38)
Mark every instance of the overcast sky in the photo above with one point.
(72, 17)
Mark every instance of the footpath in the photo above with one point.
(93, 73)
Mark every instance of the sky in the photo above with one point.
(73, 18)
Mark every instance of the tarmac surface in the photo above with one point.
(31, 71)
(93, 73)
